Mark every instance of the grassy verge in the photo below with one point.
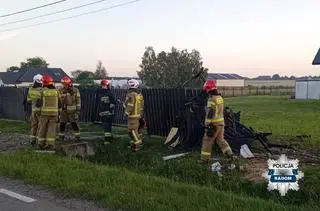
(120, 188)
(285, 118)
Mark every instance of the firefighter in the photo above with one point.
(34, 94)
(50, 107)
(134, 105)
(214, 124)
(106, 104)
(71, 106)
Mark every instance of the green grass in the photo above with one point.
(120, 188)
(283, 117)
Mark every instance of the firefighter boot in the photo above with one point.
(33, 141)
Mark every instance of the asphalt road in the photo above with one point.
(15, 195)
(8, 203)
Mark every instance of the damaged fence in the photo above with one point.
(162, 106)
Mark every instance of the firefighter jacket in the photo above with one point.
(105, 102)
(49, 103)
(34, 94)
(214, 111)
(70, 99)
(134, 104)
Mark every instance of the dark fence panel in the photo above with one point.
(11, 103)
(162, 106)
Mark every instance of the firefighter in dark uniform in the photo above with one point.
(34, 94)
(106, 105)
(134, 105)
(71, 106)
(50, 107)
(214, 122)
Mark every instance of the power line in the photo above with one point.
(34, 8)
(61, 19)
(53, 13)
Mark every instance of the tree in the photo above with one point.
(276, 77)
(101, 72)
(34, 62)
(12, 69)
(172, 69)
(84, 78)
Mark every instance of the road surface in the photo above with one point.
(17, 196)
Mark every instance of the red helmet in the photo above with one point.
(105, 82)
(66, 81)
(47, 80)
(209, 85)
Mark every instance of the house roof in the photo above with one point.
(27, 74)
(224, 76)
(316, 60)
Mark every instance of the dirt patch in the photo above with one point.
(255, 167)
(13, 141)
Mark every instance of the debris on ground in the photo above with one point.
(169, 157)
(13, 141)
(245, 151)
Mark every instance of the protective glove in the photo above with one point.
(77, 116)
(142, 123)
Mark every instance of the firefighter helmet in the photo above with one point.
(209, 85)
(133, 83)
(37, 79)
(66, 81)
(105, 82)
(47, 80)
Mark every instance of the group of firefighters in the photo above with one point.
(52, 106)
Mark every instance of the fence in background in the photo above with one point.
(161, 105)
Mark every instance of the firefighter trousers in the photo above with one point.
(216, 137)
(47, 130)
(64, 119)
(107, 127)
(35, 117)
(135, 133)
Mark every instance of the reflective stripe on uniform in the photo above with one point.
(136, 140)
(205, 153)
(76, 134)
(60, 134)
(208, 121)
(36, 109)
(107, 134)
(49, 109)
(134, 115)
(31, 136)
(71, 108)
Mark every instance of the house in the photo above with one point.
(227, 80)
(118, 82)
(24, 76)
(316, 60)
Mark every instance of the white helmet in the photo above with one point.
(133, 83)
(37, 78)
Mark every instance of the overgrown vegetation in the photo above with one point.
(120, 188)
(283, 117)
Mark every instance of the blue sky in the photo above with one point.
(248, 37)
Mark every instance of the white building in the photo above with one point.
(308, 89)
(227, 80)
